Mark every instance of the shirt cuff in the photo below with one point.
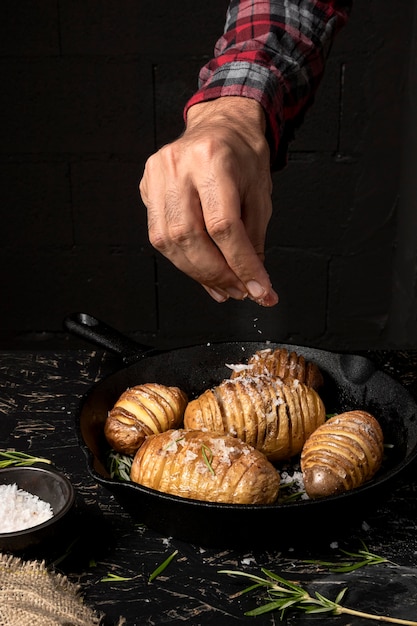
(248, 80)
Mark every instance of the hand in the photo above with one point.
(208, 197)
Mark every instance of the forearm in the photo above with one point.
(273, 52)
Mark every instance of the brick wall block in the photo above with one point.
(76, 105)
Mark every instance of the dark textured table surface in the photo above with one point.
(40, 394)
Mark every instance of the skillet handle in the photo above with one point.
(95, 331)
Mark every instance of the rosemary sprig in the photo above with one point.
(357, 560)
(208, 457)
(19, 459)
(289, 497)
(284, 595)
(162, 567)
(119, 465)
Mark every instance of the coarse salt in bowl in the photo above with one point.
(34, 505)
(20, 509)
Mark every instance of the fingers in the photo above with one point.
(177, 230)
(239, 232)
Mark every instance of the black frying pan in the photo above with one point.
(351, 382)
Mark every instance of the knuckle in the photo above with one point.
(219, 228)
(180, 235)
(158, 240)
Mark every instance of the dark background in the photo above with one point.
(90, 88)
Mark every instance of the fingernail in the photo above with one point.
(255, 289)
(236, 293)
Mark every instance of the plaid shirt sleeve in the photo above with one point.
(273, 51)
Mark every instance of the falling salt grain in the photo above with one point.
(20, 510)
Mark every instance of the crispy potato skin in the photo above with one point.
(141, 411)
(205, 466)
(268, 414)
(280, 363)
(342, 454)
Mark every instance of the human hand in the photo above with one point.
(208, 197)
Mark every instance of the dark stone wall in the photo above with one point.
(91, 88)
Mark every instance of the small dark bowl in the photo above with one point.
(50, 486)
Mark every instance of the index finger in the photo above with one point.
(222, 211)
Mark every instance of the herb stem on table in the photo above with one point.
(115, 578)
(284, 595)
(19, 459)
(357, 560)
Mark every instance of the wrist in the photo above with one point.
(245, 114)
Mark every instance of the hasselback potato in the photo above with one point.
(282, 364)
(268, 414)
(205, 466)
(342, 454)
(141, 411)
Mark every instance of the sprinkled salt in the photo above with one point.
(238, 367)
(190, 456)
(292, 477)
(167, 541)
(20, 509)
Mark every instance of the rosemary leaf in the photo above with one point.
(251, 588)
(208, 457)
(341, 595)
(162, 567)
(265, 608)
(115, 578)
(283, 581)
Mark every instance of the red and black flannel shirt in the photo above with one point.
(273, 51)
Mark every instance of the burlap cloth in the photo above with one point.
(32, 595)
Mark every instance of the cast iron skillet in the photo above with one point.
(351, 382)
